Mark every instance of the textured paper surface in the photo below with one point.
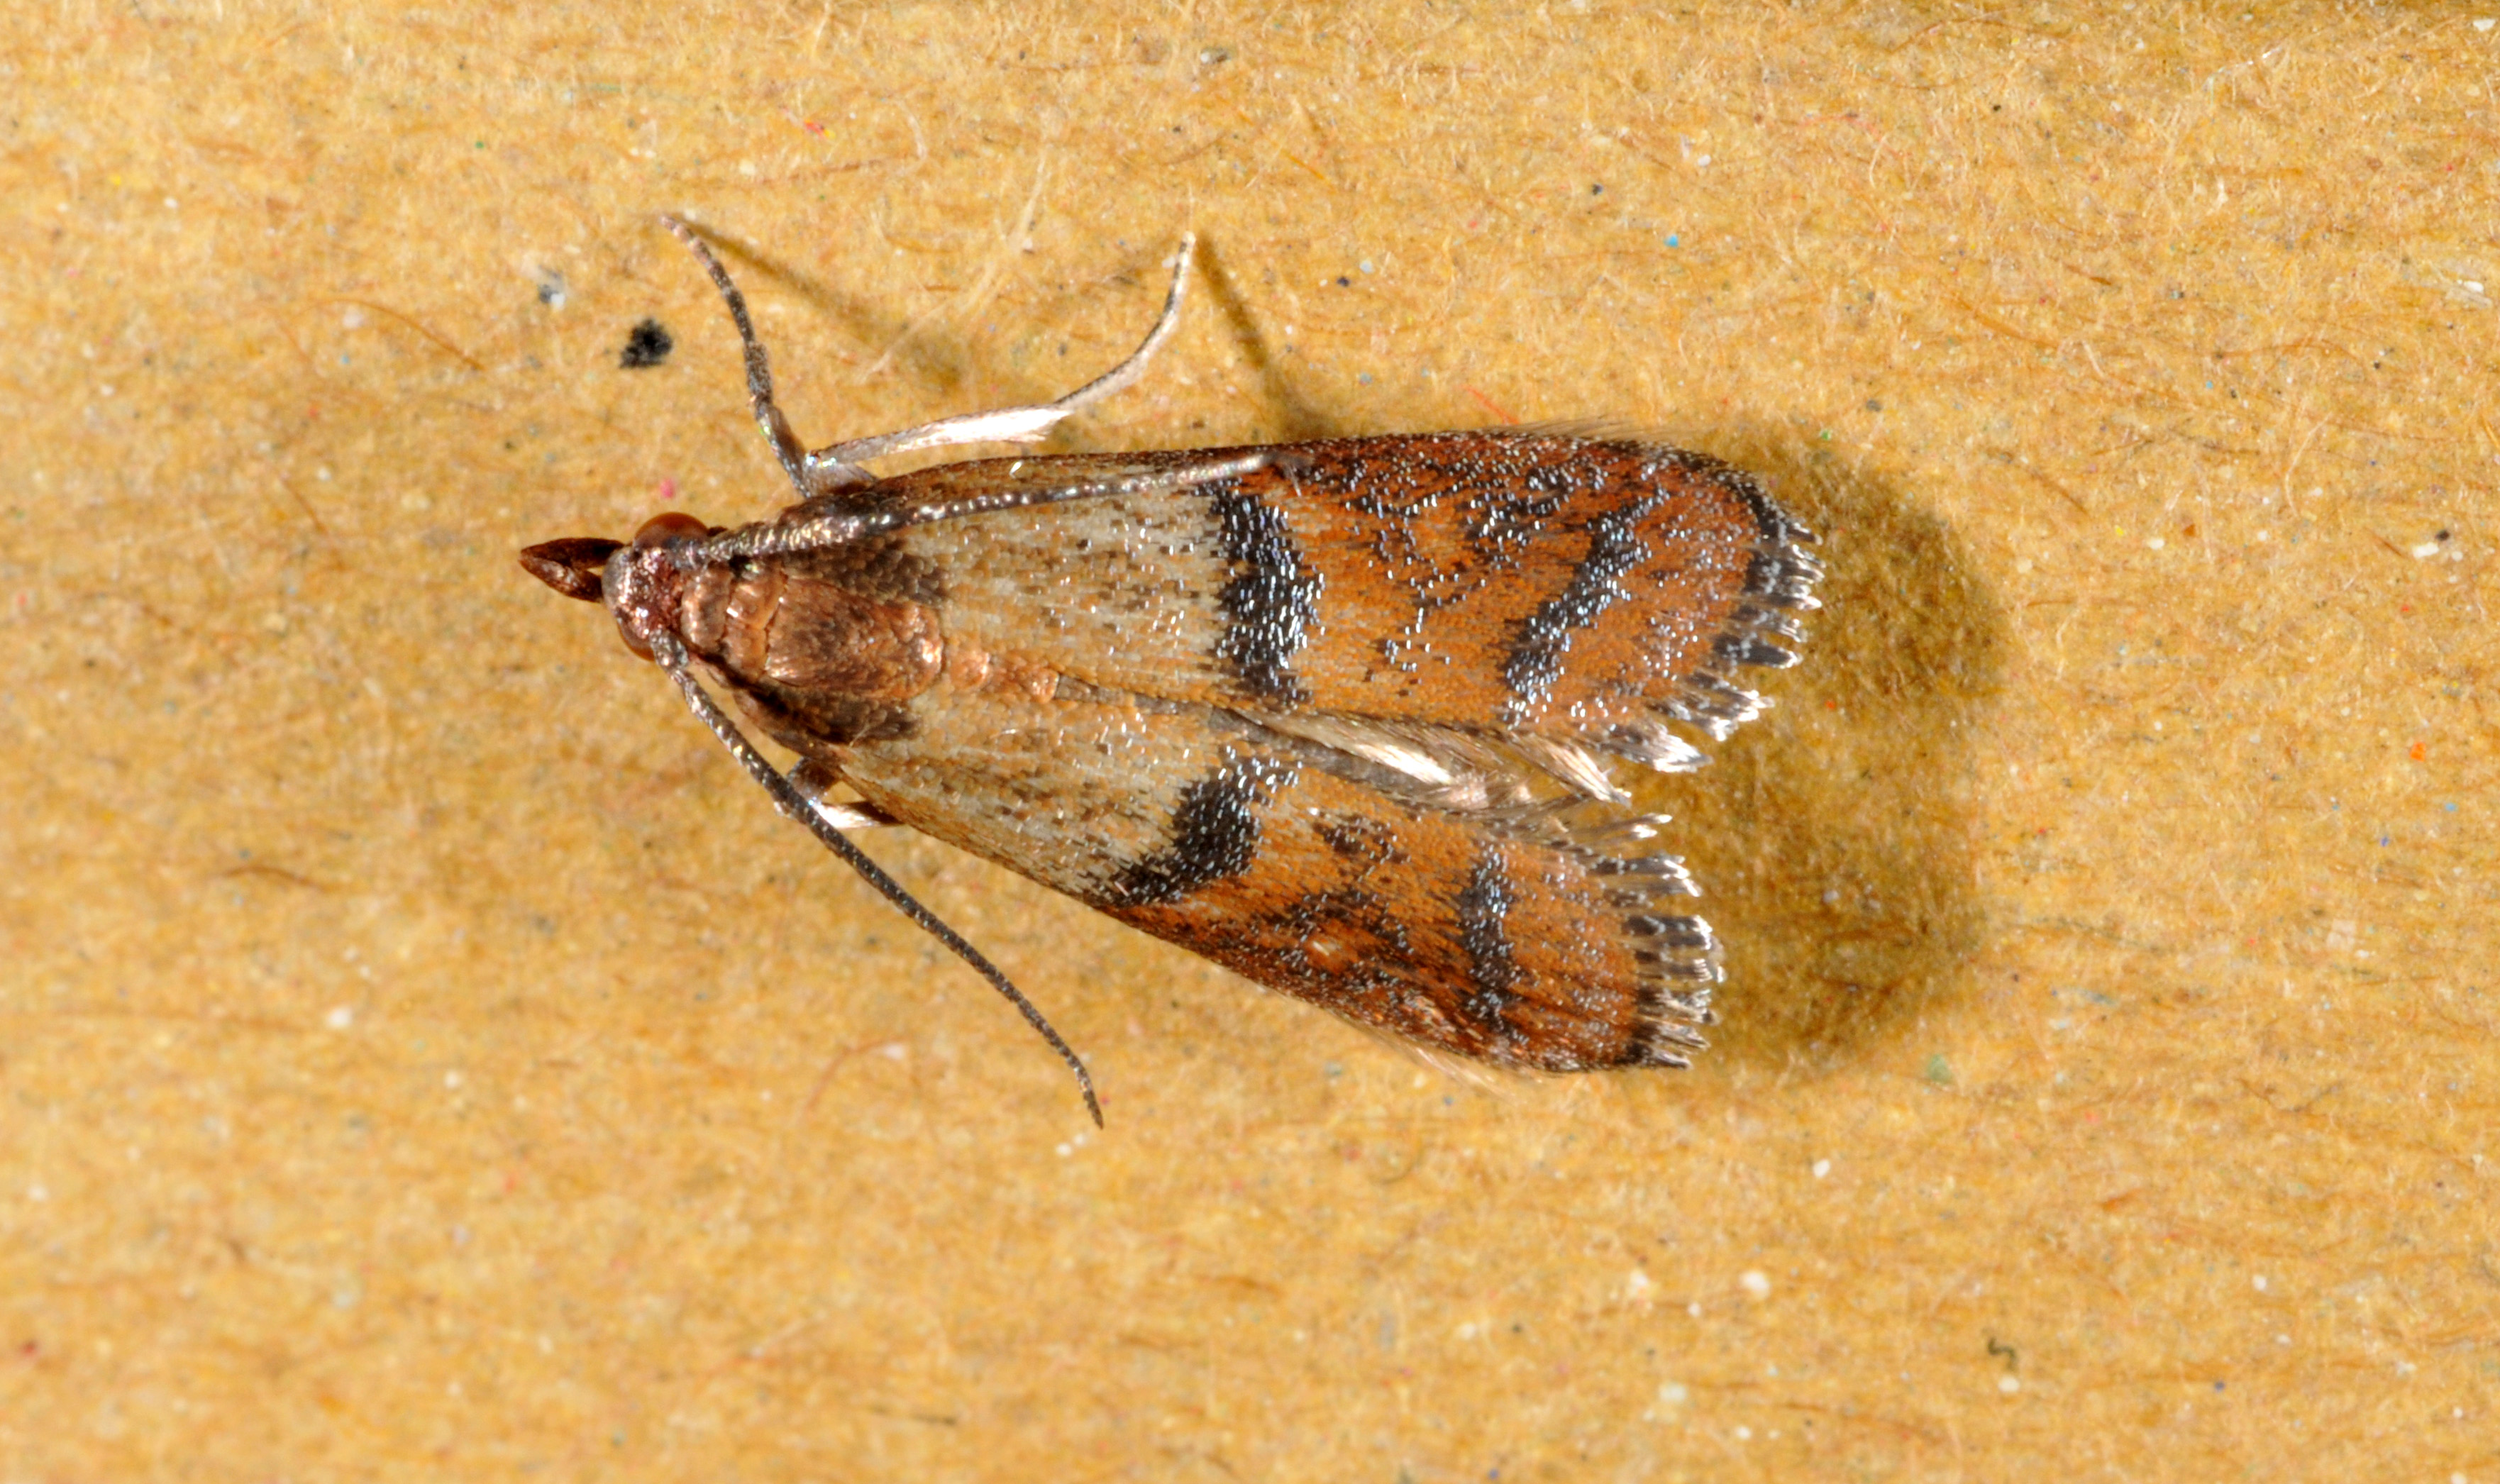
(424, 1057)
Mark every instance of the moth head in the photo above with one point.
(637, 579)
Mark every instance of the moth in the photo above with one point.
(1346, 716)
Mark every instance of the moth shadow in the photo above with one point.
(1835, 836)
(944, 363)
(1295, 419)
(917, 347)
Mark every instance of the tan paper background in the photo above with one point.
(420, 1056)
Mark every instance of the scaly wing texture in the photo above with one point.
(1310, 870)
(1581, 591)
(1333, 723)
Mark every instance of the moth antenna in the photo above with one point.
(759, 370)
(790, 801)
(1122, 376)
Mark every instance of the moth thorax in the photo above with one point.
(764, 621)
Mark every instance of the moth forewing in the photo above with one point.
(1341, 715)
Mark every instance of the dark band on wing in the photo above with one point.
(1484, 931)
(1535, 661)
(1271, 600)
(1214, 834)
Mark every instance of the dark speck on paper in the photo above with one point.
(646, 347)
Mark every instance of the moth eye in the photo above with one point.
(660, 530)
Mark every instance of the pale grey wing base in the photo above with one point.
(1074, 793)
(837, 520)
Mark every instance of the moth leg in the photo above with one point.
(814, 780)
(837, 467)
(849, 814)
(759, 371)
(788, 798)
